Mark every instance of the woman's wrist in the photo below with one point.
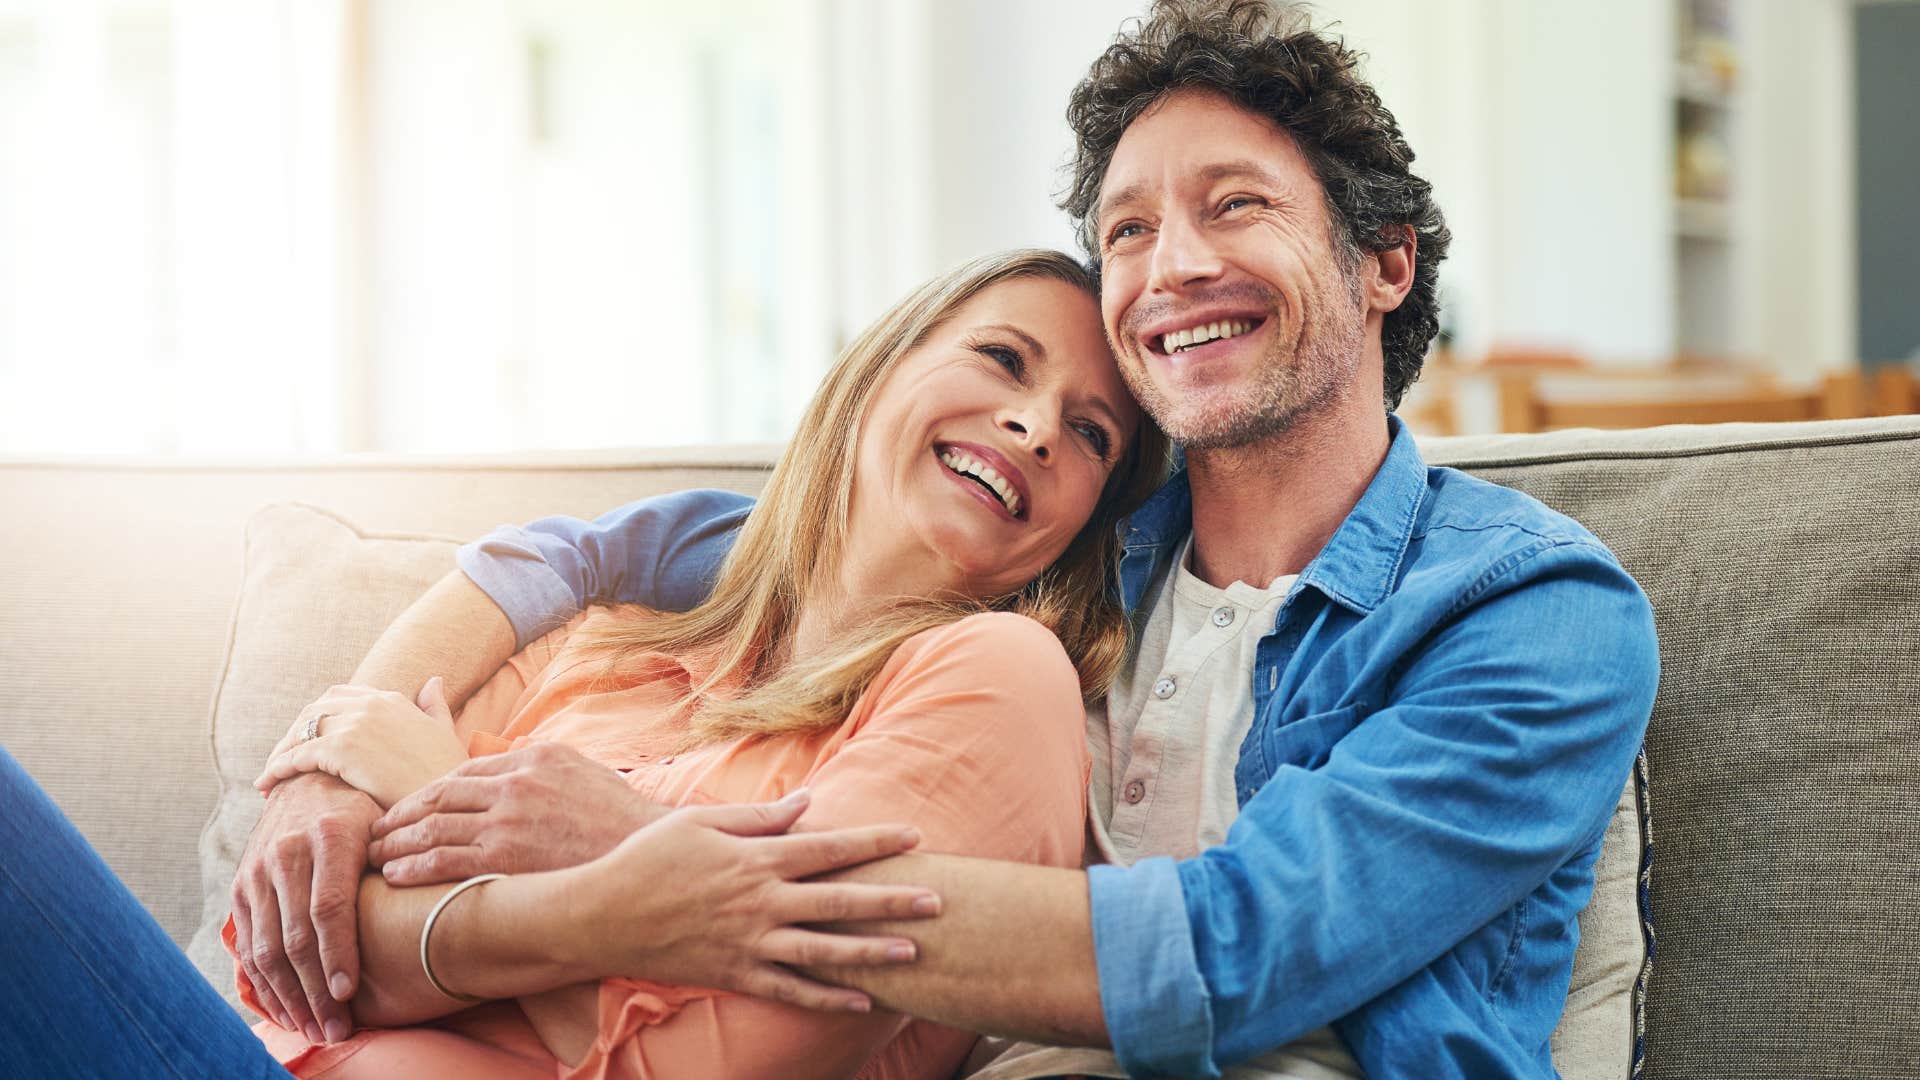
(518, 935)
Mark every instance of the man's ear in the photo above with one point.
(1392, 278)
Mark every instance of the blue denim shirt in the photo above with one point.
(1446, 710)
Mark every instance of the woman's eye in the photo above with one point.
(1098, 438)
(1005, 357)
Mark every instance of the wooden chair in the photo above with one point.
(1537, 402)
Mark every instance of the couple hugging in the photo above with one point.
(1288, 757)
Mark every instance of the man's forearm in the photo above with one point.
(454, 631)
(499, 939)
(1011, 953)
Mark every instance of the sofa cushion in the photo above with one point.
(315, 594)
(1783, 563)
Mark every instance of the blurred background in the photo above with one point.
(281, 227)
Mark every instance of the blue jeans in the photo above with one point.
(90, 985)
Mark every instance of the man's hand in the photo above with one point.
(293, 903)
(541, 807)
(734, 913)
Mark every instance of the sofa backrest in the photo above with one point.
(1782, 561)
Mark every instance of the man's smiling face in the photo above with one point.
(1226, 299)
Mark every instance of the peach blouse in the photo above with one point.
(972, 732)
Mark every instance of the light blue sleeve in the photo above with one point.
(1498, 755)
(664, 552)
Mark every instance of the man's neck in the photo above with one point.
(1265, 510)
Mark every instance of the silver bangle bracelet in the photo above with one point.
(426, 933)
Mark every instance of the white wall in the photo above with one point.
(1545, 129)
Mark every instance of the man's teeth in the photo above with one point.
(965, 465)
(1205, 332)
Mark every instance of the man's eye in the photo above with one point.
(1126, 231)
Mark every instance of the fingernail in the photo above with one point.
(341, 986)
(927, 905)
(901, 952)
(798, 794)
(313, 1034)
(910, 836)
(336, 1031)
(860, 1005)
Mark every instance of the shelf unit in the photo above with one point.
(1705, 105)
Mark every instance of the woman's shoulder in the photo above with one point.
(991, 633)
(1002, 645)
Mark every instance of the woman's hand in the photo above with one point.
(714, 896)
(376, 740)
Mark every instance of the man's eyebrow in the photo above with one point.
(1243, 168)
(1125, 195)
(1240, 168)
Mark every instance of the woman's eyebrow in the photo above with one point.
(1040, 353)
(1032, 343)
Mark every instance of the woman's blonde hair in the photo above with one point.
(797, 532)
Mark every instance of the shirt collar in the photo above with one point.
(1358, 566)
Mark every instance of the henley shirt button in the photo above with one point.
(1136, 791)
(1223, 615)
(1164, 688)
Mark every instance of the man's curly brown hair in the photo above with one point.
(1268, 59)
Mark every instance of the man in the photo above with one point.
(1348, 793)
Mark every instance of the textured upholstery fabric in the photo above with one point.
(117, 586)
(1783, 562)
(315, 594)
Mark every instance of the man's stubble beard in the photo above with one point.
(1288, 385)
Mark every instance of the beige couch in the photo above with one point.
(1783, 562)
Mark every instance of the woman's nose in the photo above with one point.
(1030, 433)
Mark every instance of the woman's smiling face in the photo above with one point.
(985, 450)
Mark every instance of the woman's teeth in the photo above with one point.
(1199, 335)
(966, 466)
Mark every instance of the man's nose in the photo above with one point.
(1182, 256)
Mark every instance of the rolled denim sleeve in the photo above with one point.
(664, 552)
(1150, 986)
(1497, 756)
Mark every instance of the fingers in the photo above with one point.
(806, 854)
(432, 700)
(432, 831)
(337, 862)
(749, 819)
(314, 755)
(243, 945)
(779, 984)
(438, 866)
(812, 948)
(457, 792)
(270, 948)
(825, 902)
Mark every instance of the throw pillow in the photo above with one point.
(315, 594)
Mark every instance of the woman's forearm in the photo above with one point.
(500, 939)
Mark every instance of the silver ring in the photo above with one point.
(312, 730)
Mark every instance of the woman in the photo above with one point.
(907, 627)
